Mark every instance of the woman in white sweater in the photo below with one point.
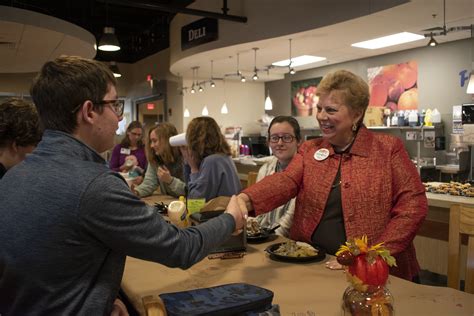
(284, 137)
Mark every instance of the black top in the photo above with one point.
(3, 170)
(330, 234)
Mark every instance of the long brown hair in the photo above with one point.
(126, 140)
(170, 154)
(204, 138)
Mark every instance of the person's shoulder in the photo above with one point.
(217, 157)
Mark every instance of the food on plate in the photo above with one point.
(293, 248)
(253, 227)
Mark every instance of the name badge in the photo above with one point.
(321, 154)
(125, 151)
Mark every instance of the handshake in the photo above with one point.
(238, 209)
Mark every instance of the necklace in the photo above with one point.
(343, 149)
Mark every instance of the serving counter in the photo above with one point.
(431, 242)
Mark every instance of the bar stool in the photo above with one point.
(461, 221)
(251, 178)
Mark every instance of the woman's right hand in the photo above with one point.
(164, 175)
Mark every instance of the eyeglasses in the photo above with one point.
(117, 106)
(286, 138)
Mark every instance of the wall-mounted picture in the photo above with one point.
(394, 86)
(303, 97)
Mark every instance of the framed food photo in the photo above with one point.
(303, 97)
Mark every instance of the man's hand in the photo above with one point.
(164, 175)
(240, 214)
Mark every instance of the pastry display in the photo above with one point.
(452, 188)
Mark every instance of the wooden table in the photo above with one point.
(299, 289)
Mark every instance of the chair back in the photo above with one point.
(461, 221)
(251, 178)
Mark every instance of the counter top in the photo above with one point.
(446, 200)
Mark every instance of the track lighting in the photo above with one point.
(212, 84)
(432, 41)
(255, 76)
(292, 71)
(242, 78)
(200, 89)
(192, 89)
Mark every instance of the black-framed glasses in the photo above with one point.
(286, 138)
(117, 106)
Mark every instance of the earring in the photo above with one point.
(354, 127)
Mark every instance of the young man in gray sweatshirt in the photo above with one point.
(67, 222)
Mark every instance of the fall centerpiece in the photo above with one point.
(367, 271)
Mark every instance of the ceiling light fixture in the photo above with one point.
(389, 40)
(255, 70)
(186, 113)
(242, 78)
(268, 102)
(200, 89)
(292, 70)
(212, 77)
(224, 109)
(205, 111)
(299, 61)
(109, 42)
(194, 69)
(115, 70)
(432, 42)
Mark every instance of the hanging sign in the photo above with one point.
(199, 32)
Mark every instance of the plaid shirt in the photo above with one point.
(382, 194)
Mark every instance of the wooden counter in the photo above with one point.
(431, 242)
(299, 289)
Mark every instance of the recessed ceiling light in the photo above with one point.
(390, 40)
(299, 61)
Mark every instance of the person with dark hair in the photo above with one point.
(165, 164)
(130, 153)
(212, 171)
(67, 227)
(20, 132)
(284, 137)
(349, 183)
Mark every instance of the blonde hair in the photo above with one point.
(204, 138)
(170, 154)
(352, 90)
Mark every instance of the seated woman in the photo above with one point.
(130, 153)
(284, 136)
(165, 164)
(349, 183)
(212, 171)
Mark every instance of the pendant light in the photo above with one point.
(194, 78)
(109, 42)
(115, 70)
(224, 109)
(292, 70)
(186, 113)
(268, 102)
(205, 111)
(255, 75)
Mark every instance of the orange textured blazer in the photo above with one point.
(382, 194)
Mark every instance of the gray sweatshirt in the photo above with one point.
(67, 222)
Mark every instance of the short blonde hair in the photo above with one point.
(352, 90)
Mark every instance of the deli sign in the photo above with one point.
(199, 32)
